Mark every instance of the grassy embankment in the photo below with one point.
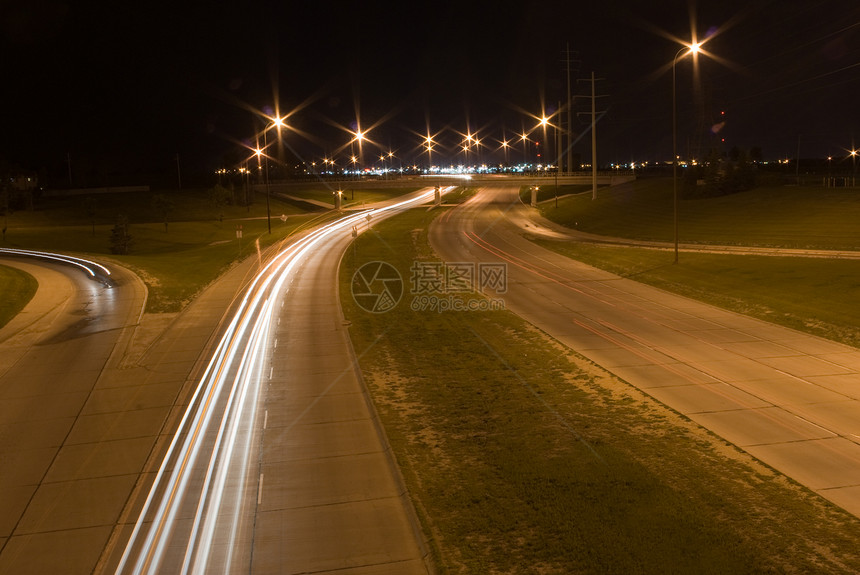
(547, 191)
(199, 242)
(17, 288)
(814, 295)
(522, 457)
(351, 196)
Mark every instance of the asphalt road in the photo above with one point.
(278, 463)
(54, 492)
(331, 499)
(92, 393)
(787, 398)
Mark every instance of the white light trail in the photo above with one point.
(91, 267)
(199, 494)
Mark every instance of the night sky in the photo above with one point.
(122, 89)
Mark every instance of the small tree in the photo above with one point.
(219, 196)
(4, 205)
(756, 154)
(163, 206)
(714, 174)
(90, 205)
(120, 238)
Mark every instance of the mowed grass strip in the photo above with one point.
(814, 295)
(817, 296)
(352, 196)
(199, 243)
(776, 216)
(17, 288)
(522, 457)
(547, 191)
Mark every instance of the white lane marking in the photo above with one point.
(265, 418)
(815, 425)
(260, 491)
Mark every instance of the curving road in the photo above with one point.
(55, 498)
(279, 463)
(288, 472)
(790, 399)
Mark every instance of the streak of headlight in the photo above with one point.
(224, 404)
(86, 265)
(231, 428)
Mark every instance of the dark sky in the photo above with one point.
(125, 87)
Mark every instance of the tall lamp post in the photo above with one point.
(428, 145)
(268, 209)
(259, 152)
(853, 155)
(359, 137)
(276, 123)
(525, 139)
(691, 49)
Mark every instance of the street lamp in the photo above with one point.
(360, 137)
(853, 155)
(276, 123)
(691, 49)
(544, 122)
(428, 146)
(259, 152)
(525, 138)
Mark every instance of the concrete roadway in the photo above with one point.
(90, 393)
(331, 497)
(58, 499)
(787, 398)
(324, 495)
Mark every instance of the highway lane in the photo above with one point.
(790, 399)
(279, 464)
(51, 358)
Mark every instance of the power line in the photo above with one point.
(593, 98)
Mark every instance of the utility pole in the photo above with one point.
(69, 160)
(593, 112)
(593, 141)
(797, 166)
(559, 147)
(566, 128)
(178, 172)
(567, 63)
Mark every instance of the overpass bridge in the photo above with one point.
(396, 181)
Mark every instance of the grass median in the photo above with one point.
(813, 295)
(778, 216)
(198, 244)
(353, 195)
(523, 457)
(18, 288)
